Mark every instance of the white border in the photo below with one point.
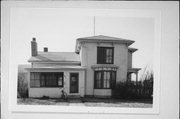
(156, 14)
(74, 109)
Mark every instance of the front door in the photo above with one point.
(74, 82)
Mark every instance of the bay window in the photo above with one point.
(104, 79)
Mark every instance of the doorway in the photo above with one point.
(74, 82)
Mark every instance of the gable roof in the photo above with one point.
(102, 38)
(56, 57)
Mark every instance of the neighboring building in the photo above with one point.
(94, 69)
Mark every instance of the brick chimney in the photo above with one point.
(45, 49)
(34, 51)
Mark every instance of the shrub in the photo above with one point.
(125, 90)
(147, 81)
(22, 86)
(131, 90)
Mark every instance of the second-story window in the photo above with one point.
(105, 55)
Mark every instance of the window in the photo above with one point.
(98, 76)
(105, 55)
(104, 79)
(46, 79)
(34, 80)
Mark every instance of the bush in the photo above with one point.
(136, 90)
(125, 90)
(131, 90)
(22, 86)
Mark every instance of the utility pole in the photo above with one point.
(94, 25)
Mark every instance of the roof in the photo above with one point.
(55, 57)
(106, 38)
(132, 49)
(104, 66)
(102, 38)
(59, 67)
(133, 70)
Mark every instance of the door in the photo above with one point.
(74, 82)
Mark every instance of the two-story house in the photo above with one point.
(94, 69)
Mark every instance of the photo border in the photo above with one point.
(156, 14)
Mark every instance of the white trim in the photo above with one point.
(60, 62)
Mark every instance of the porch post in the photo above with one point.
(128, 77)
(136, 83)
(136, 78)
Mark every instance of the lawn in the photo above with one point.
(97, 102)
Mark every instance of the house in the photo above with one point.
(94, 69)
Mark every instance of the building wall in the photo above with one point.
(129, 60)
(56, 92)
(102, 92)
(89, 58)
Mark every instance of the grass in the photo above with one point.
(91, 102)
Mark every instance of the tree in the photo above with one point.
(22, 86)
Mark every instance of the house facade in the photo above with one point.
(94, 69)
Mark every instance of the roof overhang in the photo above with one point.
(57, 68)
(133, 70)
(56, 62)
(111, 67)
(81, 41)
(132, 50)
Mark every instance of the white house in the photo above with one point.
(94, 69)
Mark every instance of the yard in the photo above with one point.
(100, 102)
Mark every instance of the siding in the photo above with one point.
(88, 55)
(129, 60)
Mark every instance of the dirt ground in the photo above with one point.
(87, 102)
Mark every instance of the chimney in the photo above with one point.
(34, 47)
(45, 49)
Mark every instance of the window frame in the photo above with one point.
(111, 86)
(102, 56)
(47, 74)
(33, 80)
(70, 83)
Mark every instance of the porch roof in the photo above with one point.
(57, 68)
(133, 70)
(104, 67)
(132, 49)
(56, 57)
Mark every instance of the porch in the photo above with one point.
(50, 82)
(132, 71)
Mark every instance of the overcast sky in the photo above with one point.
(59, 32)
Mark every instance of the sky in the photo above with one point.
(58, 31)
